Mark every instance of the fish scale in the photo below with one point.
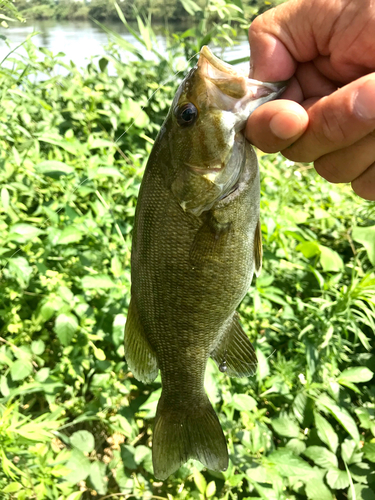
(196, 245)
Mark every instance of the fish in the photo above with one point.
(196, 244)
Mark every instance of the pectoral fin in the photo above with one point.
(211, 236)
(235, 354)
(139, 355)
(258, 249)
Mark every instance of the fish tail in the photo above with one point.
(181, 434)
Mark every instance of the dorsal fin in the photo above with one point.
(139, 355)
(258, 249)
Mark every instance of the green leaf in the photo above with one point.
(97, 477)
(369, 451)
(124, 426)
(263, 368)
(42, 374)
(65, 326)
(69, 235)
(118, 329)
(211, 489)
(141, 453)
(83, 440)
(199, 481)
(366, 236)
(285, 426)
(330, 260)
(72, 147)
(24, 232)
(289, 464)
(79, 465)
(132, 111)
(75, 495)
(95, 281)
(4, 388)
(362, 492)
(317, 490)
(341, 415)
(321, 456)
(12, 487)
(54, 169)
(296, 445)
(350, 452)
(5, 198)
(190, 6)
(243, 402)
(357, 374)
(299, 407)
(338, 479)
(20, 369)
(308, 248)
(96, 143)
(37, 347)
(108, 172)
(151, 403)
(326, 432)
(21, 269)
(116, 266)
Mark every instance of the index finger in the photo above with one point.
(294, 32)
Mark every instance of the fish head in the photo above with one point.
(205, 130)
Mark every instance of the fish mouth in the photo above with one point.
(205, 170)
(230, 90)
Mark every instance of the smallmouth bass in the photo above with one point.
(196, 244)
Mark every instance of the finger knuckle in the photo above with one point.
(333, 128)
(330, 170)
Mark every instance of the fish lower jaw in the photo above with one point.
(206, 170)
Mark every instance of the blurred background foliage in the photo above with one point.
(74, 423)
(172, 10)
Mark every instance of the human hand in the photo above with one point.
(327, 114)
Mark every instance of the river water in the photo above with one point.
(80, 40)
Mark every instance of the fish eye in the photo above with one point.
(186, 115)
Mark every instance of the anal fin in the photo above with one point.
(139, 355)
(235, 354)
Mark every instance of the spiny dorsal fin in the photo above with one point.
(258, 249)
(235, 352)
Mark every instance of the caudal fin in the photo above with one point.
(181, 435)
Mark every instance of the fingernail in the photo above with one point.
(364, 101)
(286, 125)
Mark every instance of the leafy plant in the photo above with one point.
(74, 422)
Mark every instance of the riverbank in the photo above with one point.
(102, 10)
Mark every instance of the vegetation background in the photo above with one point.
(74, 423)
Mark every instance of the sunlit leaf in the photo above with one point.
(97, 281)
(341, 415)
(366, 236)
(20, 369)
(321, 456)
(243, 402)
(65, 326)
(82, 440)
(79, 466)
(54, 169)
(285, 426)
(356, 374)
(326, 432)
